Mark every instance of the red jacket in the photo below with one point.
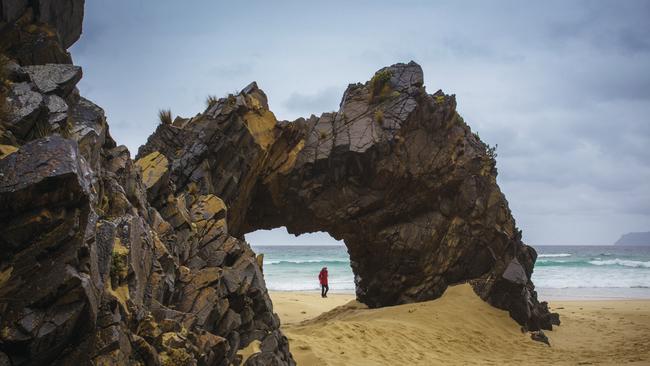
(322, 277)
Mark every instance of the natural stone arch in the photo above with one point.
(403, 181)
(395, 173)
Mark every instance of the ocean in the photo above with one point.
(561, 272)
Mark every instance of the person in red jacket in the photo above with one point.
(322, 277)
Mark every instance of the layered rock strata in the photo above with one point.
(91, 272)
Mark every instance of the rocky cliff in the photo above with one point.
(109, 260)
(91, 272)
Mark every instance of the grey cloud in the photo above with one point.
(562, 87)
(232, 69)
(322, 101)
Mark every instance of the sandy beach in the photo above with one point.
(459, 328)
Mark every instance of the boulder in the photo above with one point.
(48, 295)
(29, 175)
(59, 79)
(26, 108)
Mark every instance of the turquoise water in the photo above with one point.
(296, 268)
(592, 272)
(560, 271)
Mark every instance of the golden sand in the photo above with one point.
(459, 329)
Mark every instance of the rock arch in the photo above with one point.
(395, 173)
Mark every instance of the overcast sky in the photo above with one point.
(562, 87)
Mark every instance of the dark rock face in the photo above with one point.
(47, 261)
(39, 31)
(91, 271)
(66, 16)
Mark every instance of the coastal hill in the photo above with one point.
(113, 260)
(634, 239)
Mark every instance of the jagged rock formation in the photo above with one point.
(395, 173)
(91, 272)
(107, 260)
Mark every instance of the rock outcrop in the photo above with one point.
(395, 173)
(109, 260)
(39, 31)
(91, 272)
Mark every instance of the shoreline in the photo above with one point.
(459, 328)
(545, 294)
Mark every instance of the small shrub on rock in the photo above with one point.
(211, 100)
(165, 116)
(380, 88)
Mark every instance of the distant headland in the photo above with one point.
(634, 239)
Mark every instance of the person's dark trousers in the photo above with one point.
(323, 290)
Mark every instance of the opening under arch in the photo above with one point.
(292, 262)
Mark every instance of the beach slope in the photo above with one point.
(459, 328)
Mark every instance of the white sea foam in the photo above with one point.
(302, 261)
(595, 272)
(554, 255)
(591, 277)
(621, 262)
(336, 285)
(541, 261)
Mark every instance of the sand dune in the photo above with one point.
(459, 328)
